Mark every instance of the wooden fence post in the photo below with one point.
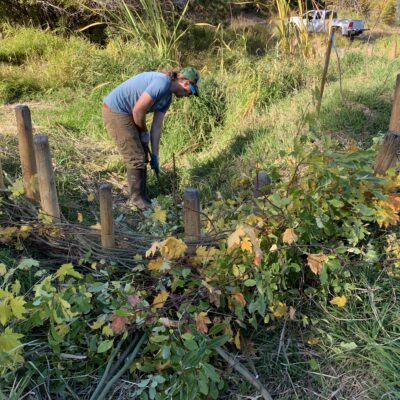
(2, 185)
(47, 185)
(191, 208)
(389, 153)
(26, 150)
(261, 182)
(106, 218)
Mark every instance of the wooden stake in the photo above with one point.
(26, 151)
(370, 50)
(47, 185)
(261, 182)
(325, 72)
(389, 153)
(393, 50)
(106, 218)
(2, 185)
(191, 206)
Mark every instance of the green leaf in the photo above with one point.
(187, 336)
(105, 345)
(191, 345)
(250, 283)
(159, 338)
(28, 263)
(5, 312)
(67, 270)
(17, 307)
(348, 346)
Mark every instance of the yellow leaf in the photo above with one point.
(172, 248)
(202, 321)
(315, 262)
(386, 213)
(339, 301)
(98, 324)
(159, 215)
(255, 220)
(289, 236)
(160, 299)
(273, 248)
(278, 309)
(107, 331)
(237, 340)
(154, 246)
(234, 238)
(5, 312)
(90, 197)
(246, 245)
(17, 307)
(25, 230)
(155, 265)
(79, 217)
(96, 226)
(313, 341)
(239, 298)
(3, 269)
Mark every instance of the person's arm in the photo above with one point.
(156, 128)
(140, 109)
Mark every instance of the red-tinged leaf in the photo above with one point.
(118, 324)
(133, 300)
(239, 298)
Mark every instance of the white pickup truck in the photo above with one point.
(318, 21)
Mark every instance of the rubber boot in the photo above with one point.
(135, 188)
(144, 186)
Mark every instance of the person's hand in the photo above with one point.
(145, 137)
(154, 163)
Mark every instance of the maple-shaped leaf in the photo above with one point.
(289, 236)
(133, 300)
(160, 299)
(246, 245)
(159, 215)
(17, 307)
(202, 321)
(107, 331)
(315, 262)
(386, 214)
(339, 301)
(155, 265)
(10, 343)
(235, 237)
(67, 270)
(394, 201)
(118, 324)
(172, 248)
(239, 298)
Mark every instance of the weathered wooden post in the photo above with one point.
(389, 153)
(47, 184)
(26, 150)
(260, 183)
(191, 209)
(393, 50)
(2, 185)
(106, 219)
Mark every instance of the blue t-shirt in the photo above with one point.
(124, 97)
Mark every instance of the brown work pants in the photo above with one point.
(126, 135)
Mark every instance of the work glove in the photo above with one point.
(145, 137)
(154, 163)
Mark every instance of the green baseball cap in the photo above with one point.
(193, 76)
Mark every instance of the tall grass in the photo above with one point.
(152, 27)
